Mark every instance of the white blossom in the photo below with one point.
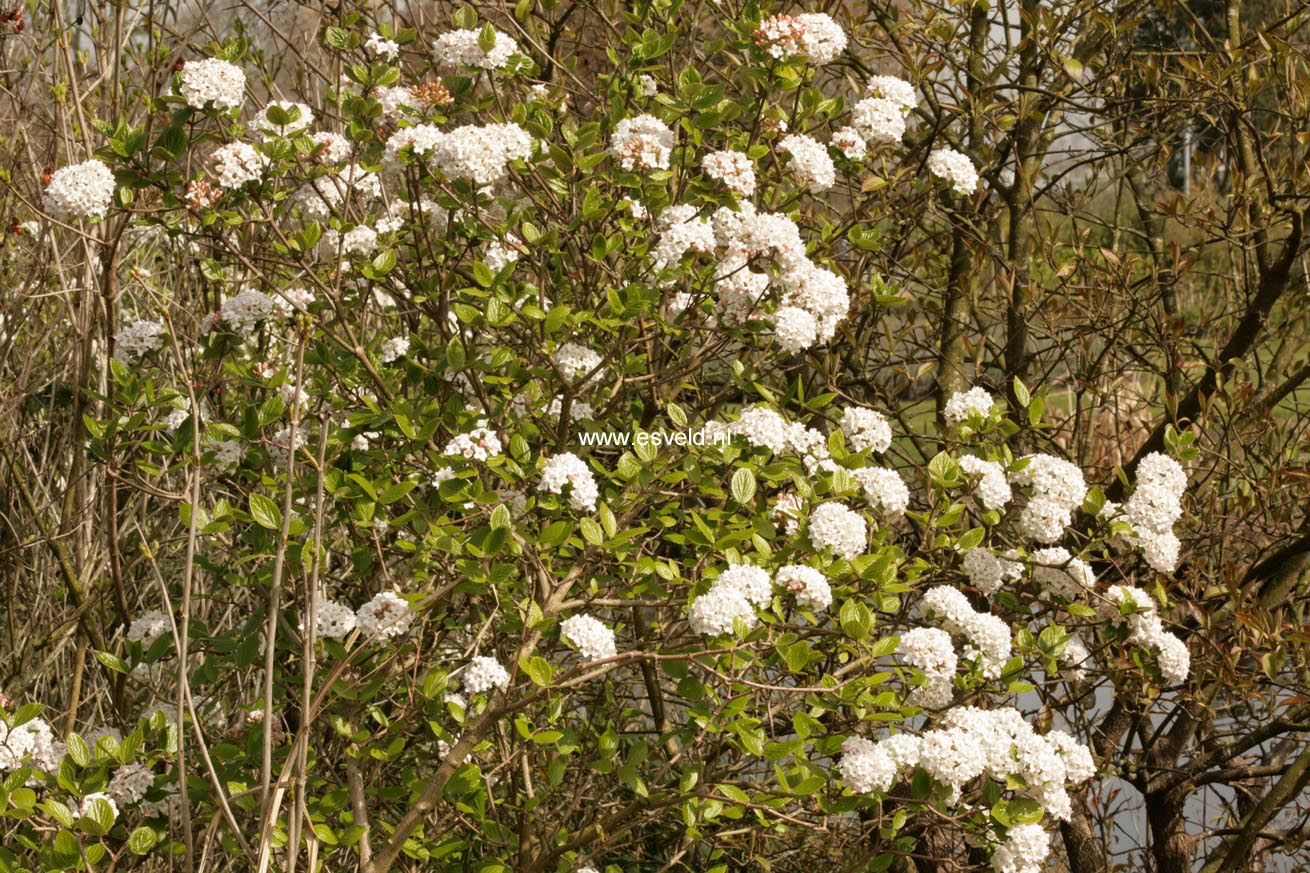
(808, 584)
(212, 82)
(84, 190)
(483, 674)
(568, 469)
(593, 639)
(834, 526)
(955, 168)
(386, 616)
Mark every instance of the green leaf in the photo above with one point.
(455, 357)
(538, 669)
(265, 512)
(78, 751)
(142, 840)
(743, 485)
(113, 662)
(591, 532)
(1021, 392)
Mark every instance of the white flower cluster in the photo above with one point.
(147, 628)
(394, 100)
(744, 238)
(483, 674)
(460, 48)
(84, 807)
(393, 349)
(681, 231)
(243, 312)
(808, 584)
(130, 783)
(238, 163)
(568, 469)
(1025, 850)
(1146, 630)
(332, 619)
(850, 143)
(988, 572)
(382, 48)
(479, 153)
(969, 743)
(993, 489)
(83, 190)
(30, 744)
(336, 149)
(1077, 657)
(896, 91)
(884, 489)
(576, 360)
(736, 594)
(360, 240)
(1063, 575)
(138, 339)
(227, 454)
(866, 429)
(501, 253)
(479, 444)
(212, 83)
(810, 160)
(990, 640)
(643, 142)
(814, 35)
(794, 329)
(482, 154)
(1155, 504)
(877, 120)
(955, 168)
(867, 767)
(962, 404)
(579, 410)
(386, 616)
(269, 128)
(734, 169)
(931, 651)
(835, 526)
(1058, 488)
(593, 639)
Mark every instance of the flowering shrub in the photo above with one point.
(390, 610)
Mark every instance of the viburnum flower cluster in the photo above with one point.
(84, 190)
(866, 429)
(835, 526)
(642, 143)
(1135, 608)
(212, 83)
(1153, 507)
(138, 339)
(989, 638)
(970, 743)
(386, 616)
(814, 36)
(1057, 488)
(567, 469)
(238, 164)
(954, 168)
(483, 674)
(463, 48)
(590, 636)
(735, 595)
(963, 404)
